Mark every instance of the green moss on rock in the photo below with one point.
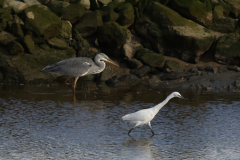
(17, 29)
(57, 43)
(29, 44)
(15, 48)
(73, 12)
(89, 23)
(227, 49)
(126, 15)
(49, 23)
(172, 66)
(112, 36)
(150, 58)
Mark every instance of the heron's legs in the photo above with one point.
(66, 81)
(130, 131)
(74, 85)
(151, 127)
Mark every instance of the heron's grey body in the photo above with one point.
(145, 116)
(79, 66)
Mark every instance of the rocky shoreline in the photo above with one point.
(159, 43)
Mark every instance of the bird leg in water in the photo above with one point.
(130, 131)
(74, 85)
(151, 127)
(66, 81)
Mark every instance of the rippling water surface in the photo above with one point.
(47, 122)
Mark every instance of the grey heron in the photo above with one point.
(79, 66)
(144, 116)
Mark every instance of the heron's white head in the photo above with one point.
(178, 95)
(104, 57)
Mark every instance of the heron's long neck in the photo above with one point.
(160, 105)
(100, 64)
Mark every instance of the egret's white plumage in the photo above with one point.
(145, 116)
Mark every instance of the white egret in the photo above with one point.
(144, 116)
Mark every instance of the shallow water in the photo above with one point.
(46, 122)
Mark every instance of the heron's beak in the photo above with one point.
(110, 61)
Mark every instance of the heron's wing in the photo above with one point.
(76, 67)
(141, 115)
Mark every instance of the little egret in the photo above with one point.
(144, 116)
(79, 66)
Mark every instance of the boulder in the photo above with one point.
(133, 63)
(66, 31)
(126, 15)
(57, 43)
(6, 38)
(42, 21)
(29, 44)
(58, 7)
(17, 6)
(150, 58)
(227, 49)
(128, 80)
(220, 22)
(197, 10)
(133, 2)
(172, 66)
(111, 37)
(26, 68)
(15, 48)
(81, 45)
(140, 72)
(17, 29)
(89, 23)
(73, 13)
(94, 5)
(111, 16)
(85, 3)
(171, 34)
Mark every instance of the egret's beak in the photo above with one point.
(183, 98)
(110, 61)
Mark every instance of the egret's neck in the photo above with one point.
(160, 105)
(100, 64)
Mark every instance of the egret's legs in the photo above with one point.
(130, 131)
(151, 127)
(74, 85)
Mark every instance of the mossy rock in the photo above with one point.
(196, 10)
(58, 7)
(32, 25)
(141, 6)
(80, 45)
(26, 68)
(29, 44)
(112, 36)
(116, 3)
(45, 20)
(227, 49)
(172, 66)
(110, 17)
(17, 29)
(73, 12)
(89, 23)
(6, 17)
(168, 32)
(2, 3)
(3, 25)
(150, 58)
(15, 48)
(6, 38)
(66, 31)
(224, 25)
(6, 10)
(133, 63)
(57, 43)
(133, 2)
(126, 15)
